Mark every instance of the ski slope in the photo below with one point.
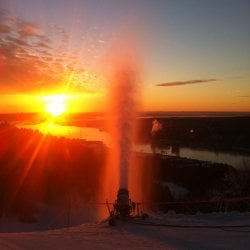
(159, 231)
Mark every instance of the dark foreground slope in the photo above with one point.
(38, 169)
(41, 169)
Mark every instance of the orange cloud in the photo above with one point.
(31, 62)
(28, 29)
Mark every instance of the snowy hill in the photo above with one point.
(159, 231)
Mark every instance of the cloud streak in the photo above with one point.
(180, 83)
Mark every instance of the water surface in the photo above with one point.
(94, 134)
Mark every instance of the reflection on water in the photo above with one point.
(233, 159)
(73, 132)
(94, 134)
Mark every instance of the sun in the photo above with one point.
(55, 104)
(55, 108)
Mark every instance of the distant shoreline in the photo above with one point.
(147, 114)
(195, 114)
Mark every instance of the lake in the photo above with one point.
(93, 134)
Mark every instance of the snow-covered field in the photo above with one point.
(159, 231)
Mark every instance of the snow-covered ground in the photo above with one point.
(156, 232)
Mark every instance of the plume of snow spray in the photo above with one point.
(122, 73)
(156, 127)
(123, 111)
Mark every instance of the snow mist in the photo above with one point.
(122, 66)
(123, 118)
(123, 98)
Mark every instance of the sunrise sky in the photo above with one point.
(191, 55)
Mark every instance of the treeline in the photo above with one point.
(42, 169)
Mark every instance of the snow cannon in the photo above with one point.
(124, 209)
(123, 205)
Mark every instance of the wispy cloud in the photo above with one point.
(28, 29)
(4, 28)
(179, 83)
(244, 96)
(35, 61)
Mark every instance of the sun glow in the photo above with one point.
(55, 104)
